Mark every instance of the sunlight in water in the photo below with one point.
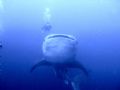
(1, 6)
(47, 14)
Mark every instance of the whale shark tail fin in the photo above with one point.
(41, 63)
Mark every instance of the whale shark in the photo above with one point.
(59, 52)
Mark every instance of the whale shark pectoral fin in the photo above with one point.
(80, 66)
(41, 63)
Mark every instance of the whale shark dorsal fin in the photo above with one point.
(43, 62)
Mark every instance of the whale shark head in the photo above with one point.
(59, 51)
(59, 48)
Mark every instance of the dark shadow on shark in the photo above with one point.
(59, 52)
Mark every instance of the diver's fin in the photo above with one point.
(41, 63)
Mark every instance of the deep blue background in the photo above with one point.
(96, 25)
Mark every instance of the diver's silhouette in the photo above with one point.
(47, 27)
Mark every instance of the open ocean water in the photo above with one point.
(95, 24)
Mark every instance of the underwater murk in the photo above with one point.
(59, 44)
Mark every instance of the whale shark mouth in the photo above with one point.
(60, 35)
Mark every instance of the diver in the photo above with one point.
(47, 26)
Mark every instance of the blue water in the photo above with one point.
(96, 25)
